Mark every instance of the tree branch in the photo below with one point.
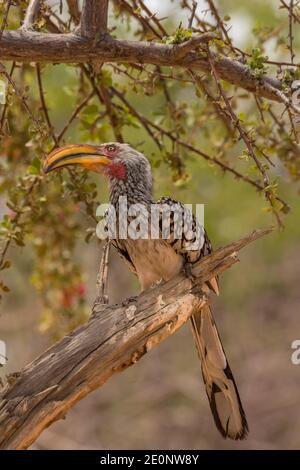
(30, 46)
(102, 277)
(74, 10)
(184, 48)
(31, 14)
(93, 18)
(114, 338)
(43, 104)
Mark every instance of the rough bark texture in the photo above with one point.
(114, 338)
(74, 10)
(30, 46)
(93, 18)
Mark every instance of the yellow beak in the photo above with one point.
(86, 155)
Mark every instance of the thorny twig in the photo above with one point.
(291, 38)
(102, 277)
(193, 12)
(290, 10)
(17, 217)
(220, 23)
(20, 96)
(160, 130)
(104, 99)
(245, 137)
(43, 104)
(75, 113)
(3, 115)
(153, 17)
(5, 17)
(31, 14)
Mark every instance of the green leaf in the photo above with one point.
(91, 109)
(5, 265)
(32, 170)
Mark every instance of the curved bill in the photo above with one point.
(89, 156)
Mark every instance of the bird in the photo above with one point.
(129, 175)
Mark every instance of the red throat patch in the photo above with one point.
(117, 170)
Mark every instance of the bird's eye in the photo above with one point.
(111, 148)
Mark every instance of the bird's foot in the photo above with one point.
(188, 272)
(197, 289)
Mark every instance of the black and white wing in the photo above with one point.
(221, 389)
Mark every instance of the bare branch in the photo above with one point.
(291, 37)
(29, 46)
(20, 95)
(104, 98)
(102, 277)
(16, 219)
(291, 12)
(148, 124)
(145, 22)
(43, 104)
(114, 338)
(31, 14)
(5, 17)
(75, 113)
(152, 16)
(247, 140)
(193, 12)
(5, 107)
(74, 10)
(220, 22)
(93, 18)
(204, 25)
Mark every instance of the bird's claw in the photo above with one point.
(188, 272)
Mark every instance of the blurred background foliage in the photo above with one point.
(50, 254)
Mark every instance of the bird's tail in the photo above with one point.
(224, 399)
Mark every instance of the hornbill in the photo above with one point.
(152, 260)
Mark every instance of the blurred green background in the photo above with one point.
(161, 401)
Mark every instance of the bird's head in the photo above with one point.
(113, 159)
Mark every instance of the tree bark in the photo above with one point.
(30, 46)
(93, 18)
(114, 338)
(74, 10)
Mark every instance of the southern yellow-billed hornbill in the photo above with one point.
(129, 175)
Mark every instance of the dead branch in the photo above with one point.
(114, 338)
